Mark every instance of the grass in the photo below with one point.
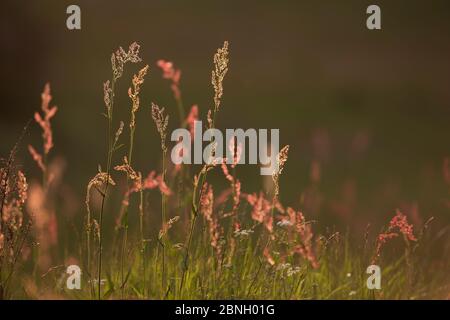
(211, 242)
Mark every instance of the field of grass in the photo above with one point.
(169, 232)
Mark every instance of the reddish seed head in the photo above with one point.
(172, 74)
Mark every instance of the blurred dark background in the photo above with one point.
(370, 108)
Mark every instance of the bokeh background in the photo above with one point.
(369, 110)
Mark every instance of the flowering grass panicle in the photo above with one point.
(261, 210)
(45, 124)
(167, 226)
(218, 74)
(13, 199)
(397, 226)
(37, 157)
(49, 112)
(133, 176)
(161, 122)
(300, 233)
(235, 187)
(209, 119)
(206, 208)
(121, 57)
(98, 181)
(281, 160)
(305, 247)
(248, 245)
(400, 222)
(133, 93)
(126, 167)
(118, 133)
(107, 97)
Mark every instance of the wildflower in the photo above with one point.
(236, 195)
(292, 271)
(242, 233)
(281, 160)
(161, 122)
(152, 181)
(305, 248)
(206, 208)
(172, 74)
(219, 72)
(398, 225)
(226, 173)
(400, 221)
(277, 205)
(283, 266)
(293, 219)
(268, 256)
(49, 112)
(261, 210)
(284, 223)
(296, 223)
(381, 241)
(44, 123)
(37, 158)
(191, 118)
(235, 187)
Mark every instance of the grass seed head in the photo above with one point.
(281, 160)
(133, 93)
(219, 72)
(121, 57)
(161, 122)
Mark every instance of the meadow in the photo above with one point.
(170, 231)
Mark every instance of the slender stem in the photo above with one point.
(195, 205)
(125, 235)
(108, 172)
(122, 261)
(141, 227)
(130, 151)
(163, 223)
(186, 257)
(88, 258)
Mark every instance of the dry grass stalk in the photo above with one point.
(133, 93)
(218, 74)
(161, 123)
(118, 61)
(281, 160)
